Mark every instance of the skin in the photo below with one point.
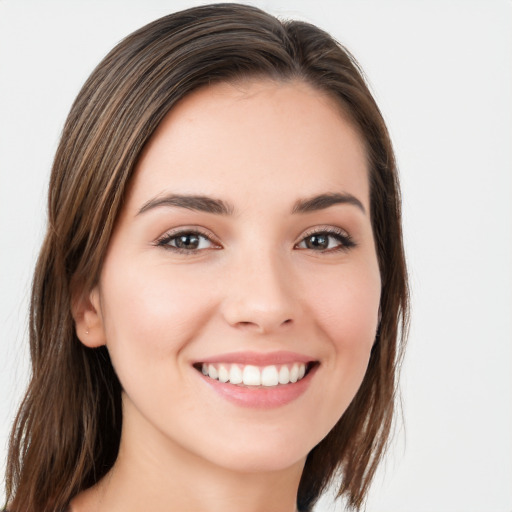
(256, 286)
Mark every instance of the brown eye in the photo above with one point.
(320, 241)
(186, 241)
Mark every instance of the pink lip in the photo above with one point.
(259, 359)
(259, 397)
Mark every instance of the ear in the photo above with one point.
(86, 311)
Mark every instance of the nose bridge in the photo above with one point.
(261, 294)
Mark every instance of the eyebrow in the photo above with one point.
(218, 207)
(323, 201)
(198, 203)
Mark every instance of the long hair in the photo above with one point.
(67, 431)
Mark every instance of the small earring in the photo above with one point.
(87, 332)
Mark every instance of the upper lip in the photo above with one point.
(259, 358)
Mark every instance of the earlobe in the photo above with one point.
(86, 312)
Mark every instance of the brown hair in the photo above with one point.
(66, 434)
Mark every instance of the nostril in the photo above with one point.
(263, 325)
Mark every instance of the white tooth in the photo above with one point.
(294, 373)
(212, 372)
(269, 376)
(284, 375)
(235, 374)
(251, 376)
(223, 374)
(302, 370)
(204, 369)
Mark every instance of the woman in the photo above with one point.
(217, 304)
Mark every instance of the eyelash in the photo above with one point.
(345, 240)
(165, 240)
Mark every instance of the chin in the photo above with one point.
(258, 462)
(265, 453)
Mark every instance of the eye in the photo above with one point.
(189, 241)
(326, 240)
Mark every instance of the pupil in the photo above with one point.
(317, 242)
(188, 241)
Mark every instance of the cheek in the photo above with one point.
(149, 314)
(347, 316)
(346, 309)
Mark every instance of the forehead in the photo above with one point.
(254, 137)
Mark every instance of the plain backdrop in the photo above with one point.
(441, 72)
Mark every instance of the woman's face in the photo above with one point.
(245, 252)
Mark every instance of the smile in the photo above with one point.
(258, 380)
(251, 375)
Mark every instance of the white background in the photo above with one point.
(441, 72)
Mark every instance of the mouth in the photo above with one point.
(258, 380)
(253, 376)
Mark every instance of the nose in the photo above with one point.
(261, 295)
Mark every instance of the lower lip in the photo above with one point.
(261, 397)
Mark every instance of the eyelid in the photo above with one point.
(324, 229)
